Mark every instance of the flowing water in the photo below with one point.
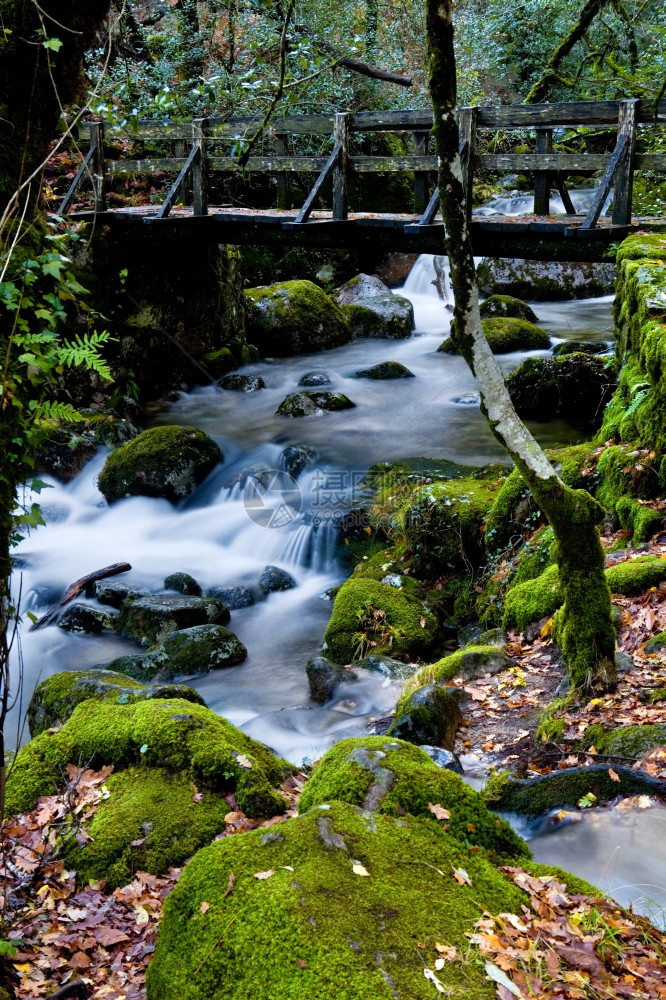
(218, 540)
(515, 203)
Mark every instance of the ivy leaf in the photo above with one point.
(54, 44)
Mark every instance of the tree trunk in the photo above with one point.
(539, 91)
(583, 627)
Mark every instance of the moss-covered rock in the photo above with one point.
(636, 576)
(389, 316)
(629, 742)
(87, 619)
(394, 777)
(429, 715)
(314, 927)
(471, 663)
(505, 335)
(384, 370)
(184, 652)
(361, 286)
(370, 615)
(656, 643)
(642, 520)
(183, 583)
(164, 462)
(534, 389)
(243, 383)
(307, 404)
(576, 387)
(324, 676)
(293, 317)
(54, 699)
(507, 305)
(149, 619)
(180, 737)
(579, 347)
(116, 592)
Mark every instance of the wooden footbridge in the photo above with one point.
(203, 147)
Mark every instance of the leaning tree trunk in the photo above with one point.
(583, 626)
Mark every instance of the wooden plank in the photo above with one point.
(200, 167)
(73, 187)
(308, 204)
(624, 175)
(168, 164)
(467, 125)
(567, 113)
(97, 145)
(283, 176)
(431, 211)
(603, 190)
(341, 140)
(270, 164)
(650, 161)
(170, 199)
(521, 162)
(421, 140)
(544, 144)
(391, 164)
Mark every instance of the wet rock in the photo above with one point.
(55, 699)
(384, 370)
(656, 643)
(87, 620)
(545, 280)
(430, 715)
(293, 317)
(297, 458)
(151, 618)
(234, 597)
(243, 383)
(314, 379)
(624, 664)
(167, 462)
(363, 286)
(580, 347)
(273, 578)
(469, 399)
(115, 592)
(305, 404)
(446, 759)
(183, 583)
(574, 386)
(324, 677)
(505, 335)
(507, 305)
(395, 669)
(185, 652)
(387, 316)
(63, 462)
(395, 268)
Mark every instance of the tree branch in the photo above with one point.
(539, 91)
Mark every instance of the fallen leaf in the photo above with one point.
(461, 876)
(204, 908)
(301, 963)
(448, 952)
(439, 811)
(264, 875)
(429, 974)
(230, 885)
(108, 936)
(502, 979)
(358, 869)
(243, 761)
(142, 915)
(614, 776)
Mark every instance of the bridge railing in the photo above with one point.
(196, 155)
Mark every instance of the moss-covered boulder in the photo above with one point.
(470, 663)
(243, 383)
(575, 387)
(628, 742)
(636, 576)
(148, 619)
(390, 316)
(164, 462)
(642, 520)
(183, 583)
(534, 389)
(87, 619)
(116, 592)
(580, 347)
(372, 616)
(54, 699)
(361, 286)
(293, 317)
(184, 652)
(313, 926)
(505, 335)
(430, 715)
(391, 776)
(308, 404)
(656, 643)
(507, 305)
(384, 370)
(162, 752)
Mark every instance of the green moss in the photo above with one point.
(643, 245)
(625, 470)
(551, 726)
(630, 742)
(505, 335)
(537, 796)
(474, 661)
(507, 305)
(571, 463)
(534, 557)
(218, 363)
(643, 521)
(161, 462)
(316, 929)
(533, 600)
(636, 576)
(294, 317)
(656, 643)
(369, 616)
(55, 699)
(512, 510)
(394, 777)
(173, 734)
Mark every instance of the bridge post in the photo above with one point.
(421, 176)
(97, 143)
(200, 167)
(624, 178)
(544, 144)
(282, 176)
(341, 139)
(180, 150)
(467, 128)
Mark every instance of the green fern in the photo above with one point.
(84, 350)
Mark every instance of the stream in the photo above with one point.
(220, 541)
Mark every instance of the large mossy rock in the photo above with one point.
(362, 286)
(148, 619)
(505, 335)
(54, 700)
(576, 387)
(315, 928)
(166, 462)
(390, 316)
(184, 652)
(507, 305)
(162, 752)
(394, 777)
(470, 664)
(429, 715)
(545, 280)
(384, 370)
(294, 317)
(372, 616)
(308, 404)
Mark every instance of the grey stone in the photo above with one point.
(384, 370)
(234, 597)
(116, 592)
(185, 652)
(183, 583)
(88, 620)
(315, 379)
(324, 677)
(477, 663)
(307, 404)
(297, 458)
(334, 841)
(431, 715)
(151, 618)
(273, 578)
(395, 669)
(363, 286)
(243, 383)
(545, 280)
(446, 759)
(385, 316)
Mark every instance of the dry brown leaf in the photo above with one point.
(439, 811)
(204, 908)
(265, 875)
(461, 876)
(614, 776)
(358, 869)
